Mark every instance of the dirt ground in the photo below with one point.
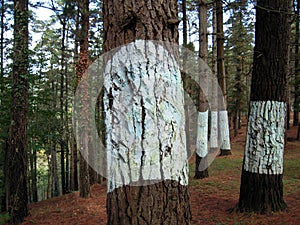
(210, 198)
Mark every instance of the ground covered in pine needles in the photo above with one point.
(210, 198)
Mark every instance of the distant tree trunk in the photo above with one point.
(17, 159)
(261, 183)
(160, 202)
(2, 144)
(223, 115)
(74, 153)
(55, 191)
(297, 72)
(66, 124)
(84, 184)
(237, 22)
(62, 119)
(186, 105)
(201, 170)
(33, 174)
(214, 134)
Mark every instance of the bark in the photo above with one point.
(62, 119)
(201, 170)
(261, 184)
(17, 159)
(55, 191)
(84, 184)
(297, 70)
(224, 140)
(161, 202)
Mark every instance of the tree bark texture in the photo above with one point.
(224, 125)
(261, 183)
(165, 201)
(201, 170)
(17, 159)
(84, 184)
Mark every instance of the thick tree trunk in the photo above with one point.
(160, 195)
(201, 170)
(223, 115)
(17, 159)
(261, 183)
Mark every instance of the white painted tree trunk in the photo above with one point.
(214, 143)
(224, 130)
(202, 132)
(265, 137)
(145, 121)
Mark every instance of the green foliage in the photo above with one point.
(4, 218)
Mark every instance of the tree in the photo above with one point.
(202, 132)
(261, 182)
(223, 115)
(297, 69)
(155, 201)
(17, 162)
(84, 185)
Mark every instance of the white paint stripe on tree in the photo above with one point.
(214, 130)
(265, 137)
(224, 130)
(202, 134)
(145, 122)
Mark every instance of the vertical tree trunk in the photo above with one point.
(17, 159)
(33, 174)
(261, 183)
(223, 115)
(84, 185)
(297, 70)
(214, 134)
(201, 170)
(55, 191)
(74, 155)
(164, 201)
(62, 120)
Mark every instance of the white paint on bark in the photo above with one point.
(265, 137)
(202, 134)
(214, 130)
(145, 121)
(224, 130)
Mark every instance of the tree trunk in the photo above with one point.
(223, 115)
(62, 119)
(261, 184)
(201, 170)
(55, 191)
(84, 184)
(145, 196)
(297, 69)
(17, 159)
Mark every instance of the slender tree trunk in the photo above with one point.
(153, 202)
(214, 134)
(55, 191)
(261, 183)
(201, 170)
(223, 115)
(74, 156)
(297, 72)
(83, 64)
(33, 170)
(17, 159)
(62, 119)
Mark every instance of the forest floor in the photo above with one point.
(210, 198)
